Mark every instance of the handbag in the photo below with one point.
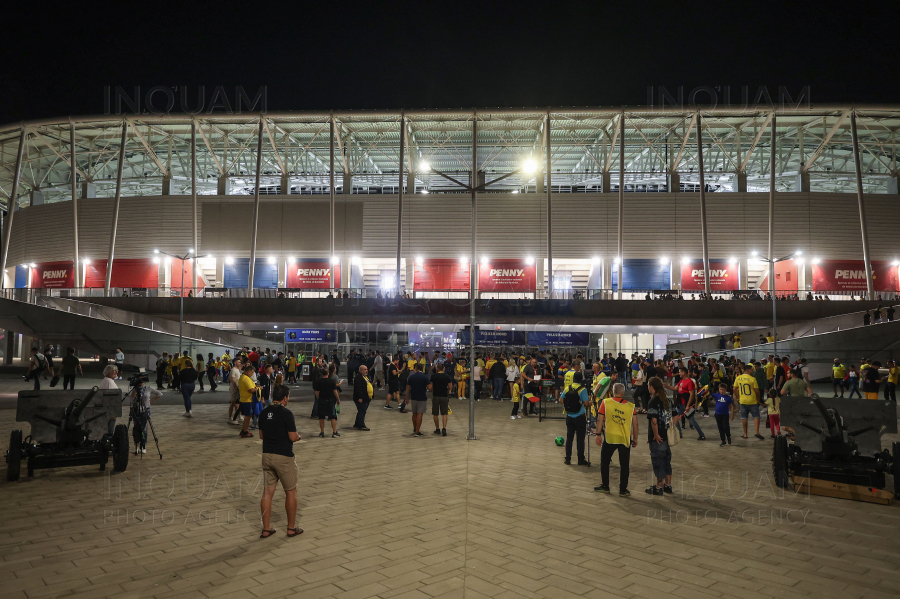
(671, 432)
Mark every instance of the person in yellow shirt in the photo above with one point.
(619, 432)
(770, 338)
(838, 371)
(747, 390)
(570, 374)
(462, 373)
(291, 368)
(737, 342)
(246, 388)
(890, 389)
(516, 392)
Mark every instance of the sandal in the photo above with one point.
(743, 436)
(265, 534)
(296, 530)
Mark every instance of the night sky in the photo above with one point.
(57, 58)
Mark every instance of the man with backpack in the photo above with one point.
(575, 399)
(36, 367)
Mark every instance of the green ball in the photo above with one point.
(560, 441)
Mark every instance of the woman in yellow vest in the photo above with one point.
(462, 373)
(620, 430)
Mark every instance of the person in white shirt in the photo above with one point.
(378, 367)
(110, 374)
(233, 379)
(476, 378)
(120, 362)
(512, 372)
(147, 395)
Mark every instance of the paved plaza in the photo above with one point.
(391, 516)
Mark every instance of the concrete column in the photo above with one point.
(222, 186)
(10, 346)
(540, 267)
(539, 181)
(282, 272)
(37, 197)
(165, 273)
(410, 273)
(346, 264)
(410, 183)
(348, 183)
(801, 181)
(607, 181)
(673, 181)
(88, 190)
(892, 183)
(167, 186)
(742, 273)
(220, 272)
(740, 182)
(285, 184)
(607, 274)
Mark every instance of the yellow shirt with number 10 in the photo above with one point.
(748, 389)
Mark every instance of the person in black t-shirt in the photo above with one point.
(393, 383)
(440, 399)
(278, 433)
(327, 397)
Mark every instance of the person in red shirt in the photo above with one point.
(254, 358)
(685, 401)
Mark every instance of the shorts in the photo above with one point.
(838, 383)
(402, 385)
(871, 394)
(440, 405)
(749, 410)
(325, 410)
(246, 408)
(393, 387)
(418, 407)
(280, 468)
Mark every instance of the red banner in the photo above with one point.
(850, 275)
(185, 271)
(723, 276)
(312, 274)
(787, 274)
(451, 275)
(131, 273)
(506, 275)
(53, 275)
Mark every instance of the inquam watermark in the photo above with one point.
(162, 100)
(183, 485)
(753, 516)
(708, 97)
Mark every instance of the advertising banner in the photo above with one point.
(265, 275)
(494, 338)
(642, 273)
(439, 274)
(131, 273)
(53, 275)
(723, 276)
(310, 336)
(312, 274)
(506, 275)
(850, 275)
(545, 338)
(432, 340)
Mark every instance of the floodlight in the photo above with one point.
(424, 167)
(530, 166)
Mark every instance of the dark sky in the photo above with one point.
(58, 58)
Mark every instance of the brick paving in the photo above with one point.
(391, 516)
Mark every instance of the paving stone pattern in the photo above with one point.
(391, 516)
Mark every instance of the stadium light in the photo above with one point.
(754, 253)
(419, 260)
(685, 260)
(229, 260)
(732, 260)
(529, 166)
(484, 259)
(595, 260)
(425, 191)
(291, 260)
(155, 251)
(816, 261)
(356, 260)
(271, 260)
(156, 261)
(424, 167)
(616, 261)
(663, 261)
(529, 260)
(335, 260)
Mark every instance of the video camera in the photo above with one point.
(135, 380)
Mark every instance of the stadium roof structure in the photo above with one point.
(814, 150)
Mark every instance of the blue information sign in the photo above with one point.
(494, 338)
(310, 336)
(543, 338)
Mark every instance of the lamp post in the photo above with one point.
(772, 264)
(190, 255)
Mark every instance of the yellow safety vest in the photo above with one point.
(618, 421)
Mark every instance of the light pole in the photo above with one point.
(772, 264)
(189, 255)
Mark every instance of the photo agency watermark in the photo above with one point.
(162, 100)
(708, 97)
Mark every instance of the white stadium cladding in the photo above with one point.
(603, 174)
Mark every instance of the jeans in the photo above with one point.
(211, 376)
(575, 427)
(724, 427)
(478, 388)
(681, 409)
(159, 377)
(361, 408)
(69, 381)
(606, 454)
(498, 387)
(890, 392)
(854, 388)
(200, 378)
(661, 458)
(187, 389)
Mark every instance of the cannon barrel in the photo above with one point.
(831, 423)
(79, 406)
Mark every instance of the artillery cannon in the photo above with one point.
(68, 428)
(837, 440)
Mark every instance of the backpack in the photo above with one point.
(572, 400)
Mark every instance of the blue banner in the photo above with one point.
(310, 336)
(544, 338)
(494, 338)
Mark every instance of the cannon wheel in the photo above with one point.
(780, 462)
(895, 468)
(120, 448)
(14, 456)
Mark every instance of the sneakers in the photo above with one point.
(187, 414)
(253, 427)
(722, 444)
(512, 417)
(583, 463)
(322, 435)
(654, 490)
(418, 434)
(246, 434)
(364, 428)
(143, 450)
(667, 489)
(729, 440)
(602, 489)
(568, 461)
(624, 493)
(443, 432)
(437, 431)
(335, 434)
(519, 416)
(137, 450)
(388, 407)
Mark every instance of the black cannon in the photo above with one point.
(837, 440)
(68, 428)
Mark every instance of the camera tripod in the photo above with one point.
(140, 415)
